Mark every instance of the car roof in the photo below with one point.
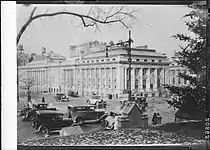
(40, 112)
(75, 105)
(41, 103)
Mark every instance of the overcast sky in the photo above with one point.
(155, 26)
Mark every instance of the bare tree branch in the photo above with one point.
(93, 18)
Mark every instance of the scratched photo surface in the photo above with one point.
(111, 75)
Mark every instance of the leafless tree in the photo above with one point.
(93, 18)
(28, 83)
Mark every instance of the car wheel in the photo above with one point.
(103, 123)
(79, 120)
(88, 101)
(32, 117)
(44, 131)
(34, 124)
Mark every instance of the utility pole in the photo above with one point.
(127, 46)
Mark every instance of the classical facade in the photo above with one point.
(94, 73)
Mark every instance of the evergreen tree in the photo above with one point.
(192, 97)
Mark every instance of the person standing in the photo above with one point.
(159, 118)
(43, 100)
(154, 119)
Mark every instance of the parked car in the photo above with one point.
(140, 100)
(31, 113)
(97, 101)
(81, 114)
(62, 97)
(73, 93)
(48, 121)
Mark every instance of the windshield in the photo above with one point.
(59, 117)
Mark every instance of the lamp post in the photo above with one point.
(127, 46)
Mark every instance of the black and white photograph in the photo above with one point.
(111, 75)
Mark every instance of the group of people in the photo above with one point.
(156, 119)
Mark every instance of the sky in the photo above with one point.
(155, 26)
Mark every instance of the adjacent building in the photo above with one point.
(22, 58)
(90, 71)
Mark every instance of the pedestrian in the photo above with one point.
(154, 119)
(159, 118)
(43, 100)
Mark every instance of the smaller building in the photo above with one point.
(131, 116)
(22, 58)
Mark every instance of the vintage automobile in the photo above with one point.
(140, 100)
(62, 97)
(84, 113)
(31, 113)
(73, 93)
(48, 121)
(97, 101)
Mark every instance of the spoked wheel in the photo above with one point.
(79, 120)
(44, 131)
(31, 117)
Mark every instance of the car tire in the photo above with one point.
(34, 124)
(31, 117)
(103, 123)
(44, 130)
(79, 120)
(88, 101)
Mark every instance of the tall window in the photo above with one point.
(136, 83)
(173, 81)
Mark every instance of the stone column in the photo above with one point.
(182, 80)
(140, 79)
(106, 77)
(161, 76)
(167, 76)
(125, 78)
(118, 78)
(132, 78)
(155, 80)
(176, 77)
(148, 80)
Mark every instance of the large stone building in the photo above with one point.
(94, 73)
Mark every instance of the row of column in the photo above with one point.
(145, 78)
(37, 75)
(91, 78)
(174, 78)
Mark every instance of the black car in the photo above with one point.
(29, 114)
(47, 121)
